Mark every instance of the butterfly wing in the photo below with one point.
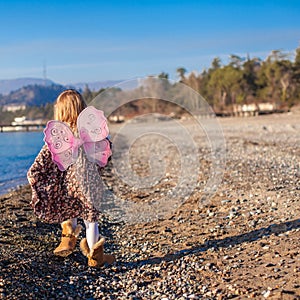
(98, 152)
(61, 142)
(92, 125)
(93, 131)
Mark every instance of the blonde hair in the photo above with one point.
(69, 104)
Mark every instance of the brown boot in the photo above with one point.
(96, 256)
(68, 239)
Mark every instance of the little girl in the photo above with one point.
(63, 196)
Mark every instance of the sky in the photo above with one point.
(87, 41)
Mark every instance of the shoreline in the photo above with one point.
(13, 188)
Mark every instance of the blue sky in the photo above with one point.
(84, 41)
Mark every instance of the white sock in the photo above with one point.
(92, 233)
(74, 223)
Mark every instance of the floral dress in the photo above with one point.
(60, 195)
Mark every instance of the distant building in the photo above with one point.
(23, 121)
(13, 107)
(254, 109)
(245, 109)
(19, 120)
(116, 119)
(267, 107)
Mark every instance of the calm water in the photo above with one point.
(17, 152)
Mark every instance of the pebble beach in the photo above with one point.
(243, 243)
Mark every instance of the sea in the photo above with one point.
(17, 153)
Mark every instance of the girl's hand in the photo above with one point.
(31, 181)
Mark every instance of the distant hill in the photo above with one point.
(9, 85)
(95, 86)
(37, 91)
(33, 95)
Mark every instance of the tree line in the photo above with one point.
(243, 80)
(248, 80)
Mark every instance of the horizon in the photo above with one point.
(93, 41)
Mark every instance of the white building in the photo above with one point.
(13, 107)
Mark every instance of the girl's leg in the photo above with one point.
(92, 233)
(74, 223)
(93, 248)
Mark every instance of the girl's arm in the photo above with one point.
(39, 165)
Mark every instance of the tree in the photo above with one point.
(296, 77)
(181, 72)
(163, 75)
(225, 86)
(250, 71)
(235, 61)
(286, 79)
(276, 78)
(87, 94)
(216, 64)
(193, 81)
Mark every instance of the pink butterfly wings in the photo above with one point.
(93, 132)
(92, 125)
(60, 141)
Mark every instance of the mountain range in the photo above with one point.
(37, 91)
(9, 85)
(94, 86)
(32, 95)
